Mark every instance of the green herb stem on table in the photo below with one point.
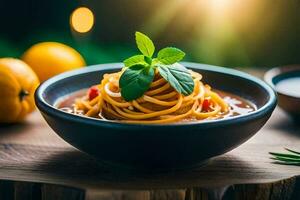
(290, 158)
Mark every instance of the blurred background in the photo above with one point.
(231, 33)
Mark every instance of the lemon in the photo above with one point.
(17, 85)
(48, 59)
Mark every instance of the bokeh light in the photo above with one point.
(220, 32)
(82, 20)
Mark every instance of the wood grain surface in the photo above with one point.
(36, 164)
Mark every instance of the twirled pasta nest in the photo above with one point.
(160, 104)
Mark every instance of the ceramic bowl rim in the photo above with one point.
(277, 71)
(55, 112)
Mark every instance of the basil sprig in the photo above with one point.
(139, 73)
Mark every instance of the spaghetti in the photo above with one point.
(160, 104)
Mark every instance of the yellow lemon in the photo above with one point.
(17, 85)
(51, 58)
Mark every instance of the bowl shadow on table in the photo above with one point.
(287, 124)
(81, 168)
(14, 127)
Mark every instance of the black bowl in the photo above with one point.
(156, 147)
(290, 104)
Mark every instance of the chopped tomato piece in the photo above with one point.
(206, 104)
(93, 92)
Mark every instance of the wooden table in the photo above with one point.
(37, 164)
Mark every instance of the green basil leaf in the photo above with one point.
(178, 77)
(135, 81)
(148, 60)
(145, 44)
(170, 55)
(134, 60)
(155, 61)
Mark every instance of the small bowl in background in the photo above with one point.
(285, 81)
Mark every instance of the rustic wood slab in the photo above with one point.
(36, 164)
(31, 152)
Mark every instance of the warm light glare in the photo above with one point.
(220, 4)
(82, 20)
